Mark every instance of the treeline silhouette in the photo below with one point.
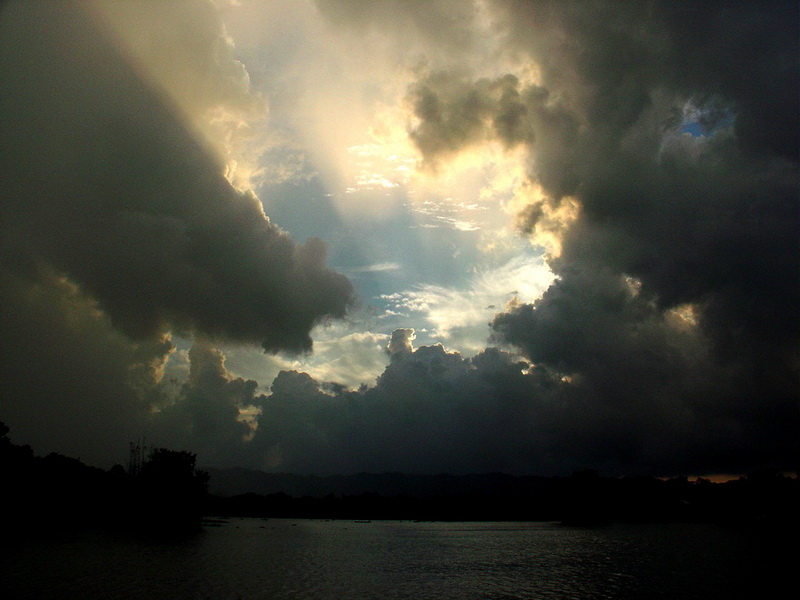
(163, 491)
(583, 498)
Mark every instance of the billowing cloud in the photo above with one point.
(103, 184)
(706, 222)
(120, 230)
(436, 411)
(401, 342)
(211, 411)
(454, 113)
(710, 220)
(427, 413)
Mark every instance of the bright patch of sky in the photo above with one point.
(433, 251)
(705, 121)
(458, 316)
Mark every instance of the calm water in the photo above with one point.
(283, 559)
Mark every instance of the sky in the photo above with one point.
(338, 236)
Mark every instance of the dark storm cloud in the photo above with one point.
(71, 382)
(433, 411)
(205, 412)
(454, 113)
(689, 217)
(427, 413)
(611, 56)
(669, 341)
(710, 222)
(118, 231)
(103, 183)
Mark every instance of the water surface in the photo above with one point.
(283, 559)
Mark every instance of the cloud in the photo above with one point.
(407, 422)
(401, 342)
(72, 383)
(706, 222)
(435, 411)
(344, 355)
(210, 410)
(103, 183)
(184, 53)
(453, 113)
(668, 341)
(459, 315)
(120, 230)
(376, 268)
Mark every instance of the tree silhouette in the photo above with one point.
(168, 492)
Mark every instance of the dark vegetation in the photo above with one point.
(162, 491)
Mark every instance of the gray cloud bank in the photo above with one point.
(668, 343)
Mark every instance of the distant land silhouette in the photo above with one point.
(162, 491)
(583, 498)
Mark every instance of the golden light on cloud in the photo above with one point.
(200, 77)
(684, 316)
(544, 219)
